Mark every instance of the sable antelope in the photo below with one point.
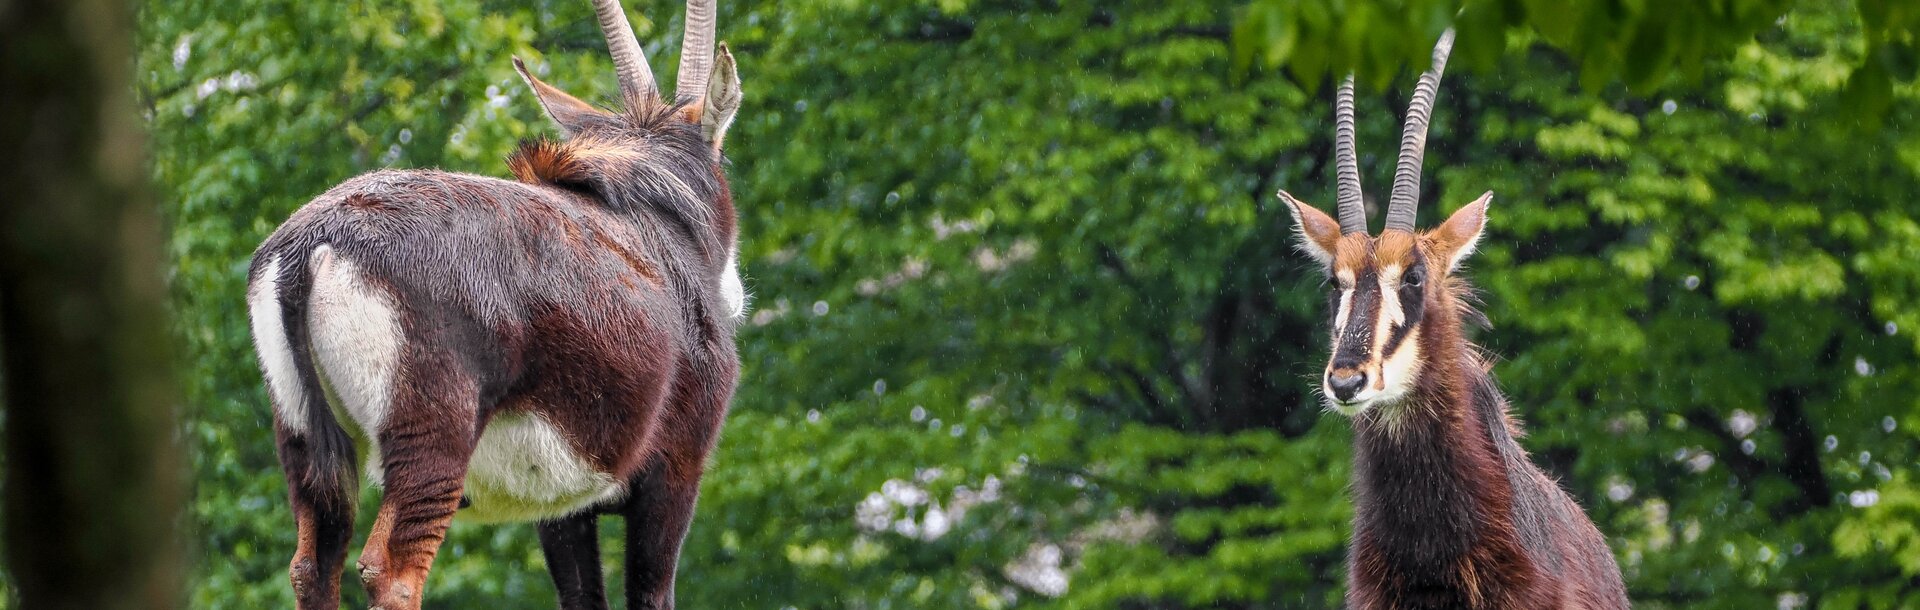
(1448, 510)
(543, 349)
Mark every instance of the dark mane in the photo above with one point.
(642, 160)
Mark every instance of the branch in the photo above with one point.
(1803, 452)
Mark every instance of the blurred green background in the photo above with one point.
(1028, 329)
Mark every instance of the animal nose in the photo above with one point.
(1345, 383)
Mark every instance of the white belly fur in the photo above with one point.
(524, 470)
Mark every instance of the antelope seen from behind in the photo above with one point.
(1448, 510)
(543, 349)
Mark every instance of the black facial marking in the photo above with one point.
(1413, 298)
(1356, 338)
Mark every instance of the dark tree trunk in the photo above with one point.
(92, 484)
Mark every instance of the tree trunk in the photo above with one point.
(92, 479)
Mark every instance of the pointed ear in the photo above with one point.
(1455, 239)
(723, 98)
(1318, 231)
(565, 110)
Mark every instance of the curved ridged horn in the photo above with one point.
(1353, 214)
(696, 51)
(1413, 141)
(636, 78)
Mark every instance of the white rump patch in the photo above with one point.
(276, 354)
(731, 288)
(356, 346)
(524, 469)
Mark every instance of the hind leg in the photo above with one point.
(425, 444)
(323, 516)
(571, 545)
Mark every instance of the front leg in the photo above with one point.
(661, 500)
(658, 510)
(571, 545)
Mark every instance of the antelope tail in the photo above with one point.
(330, 453)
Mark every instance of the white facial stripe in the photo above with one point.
(1340, 319)
(1390, 298)
(276, 354)
(1383, 324)
(1398, 372)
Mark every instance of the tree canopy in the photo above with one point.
(1028, 326)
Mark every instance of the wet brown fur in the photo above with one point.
(1449, 510)
(585, 292)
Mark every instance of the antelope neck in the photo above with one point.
(1430, 487)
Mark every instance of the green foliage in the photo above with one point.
(1020, 281)
(1643, 44)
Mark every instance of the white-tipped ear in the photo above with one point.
(1456, 238)
(1318, 231)
(566, 110)
(723, 98)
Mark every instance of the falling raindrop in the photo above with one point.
(1669, 107)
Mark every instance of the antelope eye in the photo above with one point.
(1415, 277)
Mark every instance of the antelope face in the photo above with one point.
(1385, 288)
(1382, 290)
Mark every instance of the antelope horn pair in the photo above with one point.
(1413, 146)
(636, 78)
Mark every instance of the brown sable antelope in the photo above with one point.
(1448, 510)
(543, 349)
